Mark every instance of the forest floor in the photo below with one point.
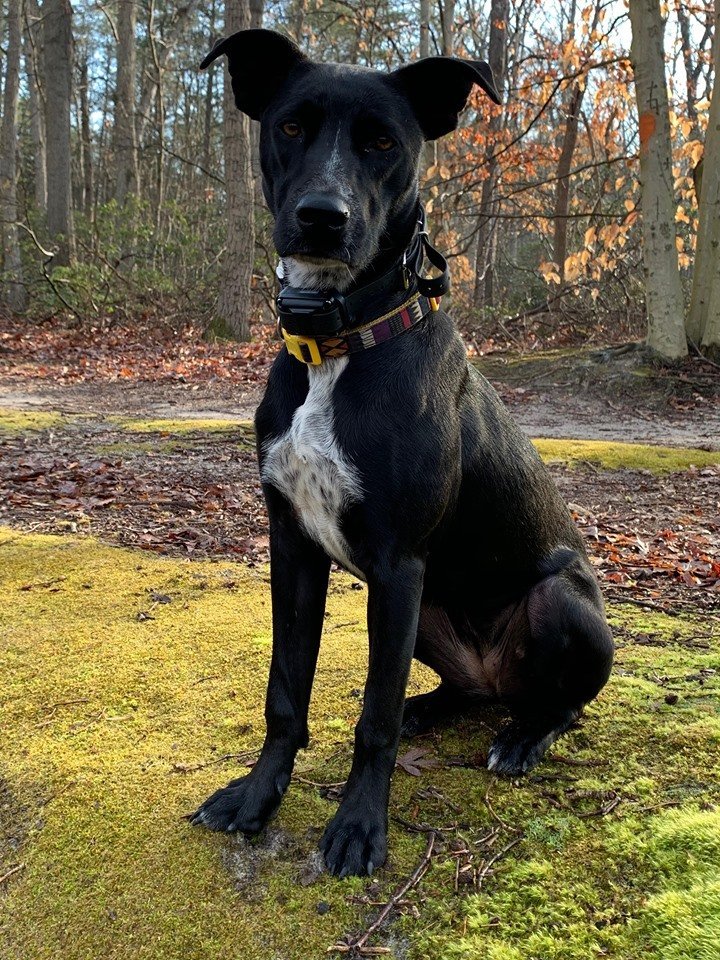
(135, 642)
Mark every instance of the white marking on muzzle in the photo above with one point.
(315, 273)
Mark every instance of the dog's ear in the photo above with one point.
(438, 88)
(259, 62)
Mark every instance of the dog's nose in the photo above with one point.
(322, 210)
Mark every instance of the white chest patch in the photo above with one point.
(307, 466)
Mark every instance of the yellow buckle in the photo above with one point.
(295, 346)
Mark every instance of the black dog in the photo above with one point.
(381, 449)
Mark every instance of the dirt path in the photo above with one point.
(156, 371)
(544, 408)
(152, 400)
(545, 415)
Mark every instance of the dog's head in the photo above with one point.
(340, 147)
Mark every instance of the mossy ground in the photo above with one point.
(630, 456)
(612, 455)
(14, 421)
(111, 696)
(183, 425)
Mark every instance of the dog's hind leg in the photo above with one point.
(561, 664)
(427, 710)
(463, 684)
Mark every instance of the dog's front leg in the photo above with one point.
(299, 579)
(355, 841)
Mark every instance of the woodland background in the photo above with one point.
(130, 184)
(136, 334)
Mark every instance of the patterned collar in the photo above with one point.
(313, 350)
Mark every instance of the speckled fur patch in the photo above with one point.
(307, 466)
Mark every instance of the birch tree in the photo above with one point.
(703, 326)
(663, 292)
(13, 288)
(57, 43)
(234, 306)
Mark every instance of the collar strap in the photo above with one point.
(311, 313)
(313, 350)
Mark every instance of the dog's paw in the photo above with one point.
(354, 844)
(245, 804)
(516, 750)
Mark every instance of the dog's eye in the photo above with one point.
(292, 130)
(384, 144)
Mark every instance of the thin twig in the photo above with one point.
(53, 708)
(314, 783)
(192, 768)
(604, 810)
(493, 860)
(645, 604)
(702, 356)
(495, 815)
(12, 872)
(50, 255)
(359, 944)
(423, 827)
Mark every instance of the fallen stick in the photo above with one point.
(493, 860)
(194, 767)
(359, 944)
(11, 873)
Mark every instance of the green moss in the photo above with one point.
(630, 456)
(20, 421)
(115, 726)
(104, 709)
(184, 425)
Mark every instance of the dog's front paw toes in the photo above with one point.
(515, 751)
(245, 805)
(354, 845)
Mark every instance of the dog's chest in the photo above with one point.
(308, 467)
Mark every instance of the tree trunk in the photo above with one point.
(208, 113)
(562, 190)
(234, 307)
(36, 102)
(447, 16)
(300, 9)
(126, 158)
(485, 252)
(256, 19)
(703, 325)
(164, 52)
(57, 23)
(88, 173)
(424, 28)
(663, 292)
(13, 288)
(688, 47)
